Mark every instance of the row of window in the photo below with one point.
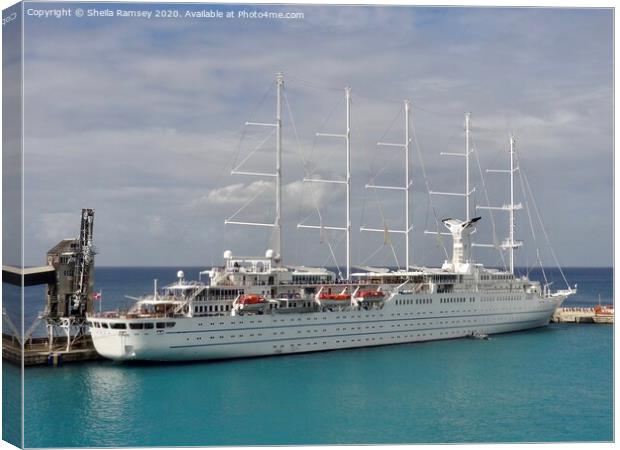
(212, 308)
(457, 300)
(419, 301)
(132, 326)
(502, 298)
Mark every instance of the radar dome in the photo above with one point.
(227, 254)
(269, 253)
(180, 274)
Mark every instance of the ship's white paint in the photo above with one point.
(220, 337)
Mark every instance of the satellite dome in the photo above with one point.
(269, 253)
(180, 274)
(227, 254)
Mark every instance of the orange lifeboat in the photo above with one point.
(251, 299)
(329, 296)
(368, 294)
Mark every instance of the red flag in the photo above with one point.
(97, 296)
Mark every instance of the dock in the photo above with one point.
(579, 314)
(37, 351)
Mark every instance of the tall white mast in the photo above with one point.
(511, 212)
(347, 91)
(468, 191)
(406, 188)
(278, 222)
(277, 233)
(509, 243)
(347, 137)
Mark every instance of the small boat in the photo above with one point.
(252, 303)
(603, 314)
(339, 297)
(251, 299)
(479, 335)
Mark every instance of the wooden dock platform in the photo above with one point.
(37, 352)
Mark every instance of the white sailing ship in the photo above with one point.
(258, 306)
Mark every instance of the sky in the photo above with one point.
(143, 120)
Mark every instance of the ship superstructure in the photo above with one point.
(258, 306)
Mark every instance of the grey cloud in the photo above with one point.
(146, 129)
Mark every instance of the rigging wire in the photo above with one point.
(386, 239)
(486, 195)
(542, 226)
(311, 84)
(428, 189)
(308, 172)
(194, 211)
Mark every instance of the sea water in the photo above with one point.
(544, 385)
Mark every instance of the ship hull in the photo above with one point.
(222, 337)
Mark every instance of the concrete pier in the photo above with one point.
(578, 314)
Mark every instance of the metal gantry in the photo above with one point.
(83, 261)
(347, 137)
(406, 188)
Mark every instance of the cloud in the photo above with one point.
(144, 120)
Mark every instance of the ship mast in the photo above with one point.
(468, 191)
(347, 137)
(406, 188)
(277, 223)
(510, 243)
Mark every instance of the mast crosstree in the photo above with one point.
(277, 224)
(510, 243)
(406, 189)
(347, 137)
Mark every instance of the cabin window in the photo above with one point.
(172, 324)
(104, 324)
(118, 326)
(148, 326)
(136, 326)
(161, 325)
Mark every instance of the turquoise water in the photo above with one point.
(549, 384)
